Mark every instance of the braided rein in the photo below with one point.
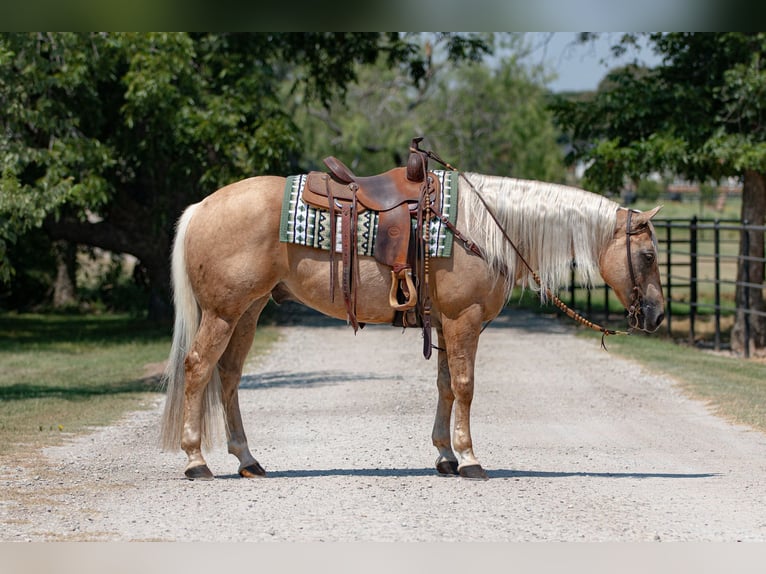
(635, 307)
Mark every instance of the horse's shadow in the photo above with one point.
(307, 379)
(492, 473)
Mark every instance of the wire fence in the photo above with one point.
(699, 262)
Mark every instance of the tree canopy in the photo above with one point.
(106, 137)
(699, 114)
(479, 117)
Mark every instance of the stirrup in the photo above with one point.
(412, 294)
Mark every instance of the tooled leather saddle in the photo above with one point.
(398, 196)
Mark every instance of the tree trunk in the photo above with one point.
(65, 286)
(149, 244)
(157, 271)
(751, 271)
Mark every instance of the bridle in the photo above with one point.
(637, 296)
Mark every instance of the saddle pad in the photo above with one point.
(306, 225)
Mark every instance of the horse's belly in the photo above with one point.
(308, 282)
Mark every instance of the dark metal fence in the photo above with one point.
(699, 259)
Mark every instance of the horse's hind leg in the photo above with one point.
(446, 463)
(230, 367)
(208, 346)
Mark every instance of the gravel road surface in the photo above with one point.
(579, 444)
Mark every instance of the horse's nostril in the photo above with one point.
(660, 317)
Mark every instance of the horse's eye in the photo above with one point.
(649, 256)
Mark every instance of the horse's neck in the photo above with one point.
(549, 224)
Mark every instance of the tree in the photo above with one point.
(700, 114)
(105, 138)
(494, 119)
(481, 116)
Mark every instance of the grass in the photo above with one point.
(64, 374)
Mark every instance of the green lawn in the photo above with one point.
(63, 374)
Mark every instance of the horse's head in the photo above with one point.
(629, 266)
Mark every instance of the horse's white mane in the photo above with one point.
(550, 224)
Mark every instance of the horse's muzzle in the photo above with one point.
(651, 317)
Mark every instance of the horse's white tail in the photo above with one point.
(187, 320)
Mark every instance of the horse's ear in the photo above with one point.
(643, 217)
(653, 212)
(650, 214)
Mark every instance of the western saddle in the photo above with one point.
(398, 195)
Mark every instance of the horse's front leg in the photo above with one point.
(461, 338)
(446, 463)
(230, 367)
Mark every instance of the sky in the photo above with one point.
(580, 67)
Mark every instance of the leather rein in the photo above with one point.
(634, 310)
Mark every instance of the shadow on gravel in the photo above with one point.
(499, 473)
(308, 379)
(321, 472)
(544, 474)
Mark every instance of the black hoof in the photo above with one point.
(254, 470)
(473, 472)
(447, 467)
(201, 472)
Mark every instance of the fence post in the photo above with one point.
(692, 278)
(717, 267)
(669, 275)
(746, 286)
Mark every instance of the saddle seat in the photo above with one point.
(380, 192)
(398, 196)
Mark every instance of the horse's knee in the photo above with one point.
(192, 367)
(462, 389)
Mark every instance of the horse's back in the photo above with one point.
(247, 194)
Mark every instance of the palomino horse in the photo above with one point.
(228, 261)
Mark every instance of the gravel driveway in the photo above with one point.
(579, 445)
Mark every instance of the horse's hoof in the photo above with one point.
(447, 467)
(473, 472)
(254, 470)
(201, 472)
